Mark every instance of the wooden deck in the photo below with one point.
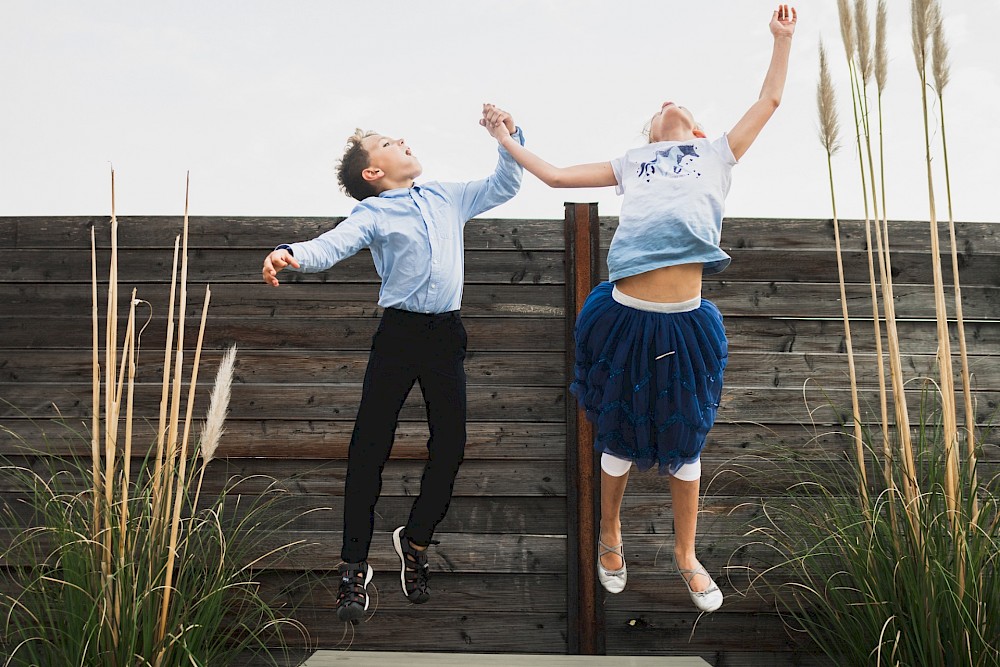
(387, 659)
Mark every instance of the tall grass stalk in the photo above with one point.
(924, 17)
(942, 75)
(103, 571)
(826, 102)
(873, 64)
(849, 36)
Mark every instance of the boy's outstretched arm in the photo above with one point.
(597, 174)
(749, 126)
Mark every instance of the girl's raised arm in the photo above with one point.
(595, 174)
(749, 126)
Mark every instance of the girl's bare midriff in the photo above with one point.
(668, 284)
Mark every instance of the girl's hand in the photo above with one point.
(497, 122)
(783, 21)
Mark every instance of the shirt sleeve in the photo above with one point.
(477, 197)
(354, 232)
(721, 146)
(616, 166)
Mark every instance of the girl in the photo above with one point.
(650, 352)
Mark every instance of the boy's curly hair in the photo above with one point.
(354, 161)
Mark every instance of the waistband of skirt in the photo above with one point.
(655, 306)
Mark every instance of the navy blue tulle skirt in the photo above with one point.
(649, 381)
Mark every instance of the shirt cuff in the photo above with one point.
(518, 135)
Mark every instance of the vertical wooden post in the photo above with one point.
(585, 617)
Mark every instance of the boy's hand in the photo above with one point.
(275, 262)
(497, 122)
(783, 21)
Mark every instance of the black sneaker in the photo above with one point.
(352, 601)
(414, 570)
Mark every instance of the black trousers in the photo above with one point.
(407, 348)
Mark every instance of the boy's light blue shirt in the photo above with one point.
(415, 236)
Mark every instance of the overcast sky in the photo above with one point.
(256, 98)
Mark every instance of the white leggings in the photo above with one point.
(616, 467)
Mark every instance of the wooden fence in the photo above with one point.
(514, 570)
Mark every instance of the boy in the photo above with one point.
(415, 236)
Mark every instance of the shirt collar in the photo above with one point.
(397, 192)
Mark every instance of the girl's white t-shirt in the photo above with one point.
(674, 196)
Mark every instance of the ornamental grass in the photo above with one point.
(115, 561)
(899, 568)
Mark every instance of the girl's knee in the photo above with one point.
(688, 472)
(613, 465)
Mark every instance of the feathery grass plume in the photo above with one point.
(218, 406)
(826, 101)
(919, 19)
(881, 48)
(864, 39)
(939, 49)
(846, 28)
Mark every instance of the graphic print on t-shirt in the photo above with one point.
(676, 162)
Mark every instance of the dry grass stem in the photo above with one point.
(174, 424)
(175, 520)
(881, 46)
(924, 12)
(864, 33)
(941, 76)
(95, 435)
(161, 431)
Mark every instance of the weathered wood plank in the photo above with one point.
(287, 302)
(665, 633)
(314, 439)
(294, 301)
(298, 550)
(480, 233)
(243, 265)
(434, 627)
(221, 265)
(275, 401)
(520, 369)
(467, 592)
(747, 333)
(487, 368)
(540, 442)
(819, 405)
(400, 478)
(318, 512)
(318, 332)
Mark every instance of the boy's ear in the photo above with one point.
(372, 174)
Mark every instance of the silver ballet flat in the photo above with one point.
(612, 580)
